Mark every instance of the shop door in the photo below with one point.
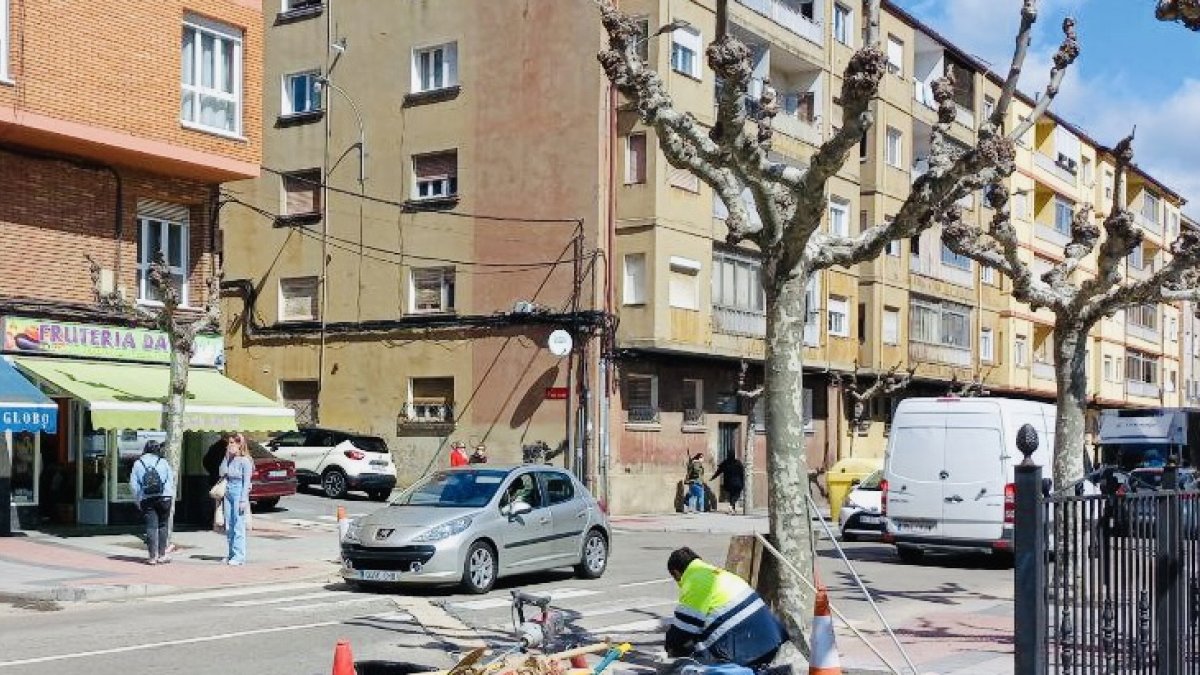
(93, 469)
(728, 441)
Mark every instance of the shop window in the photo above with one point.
(25, 466)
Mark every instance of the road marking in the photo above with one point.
(331, 603)
(236, 591)
(587, 613)
(633, 627)
(166, 643)
(644, 583)
(555, 596)
(278, 601)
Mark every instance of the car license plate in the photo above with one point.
(914, 525)
(281, 473)
(870, 520)
(378, 575)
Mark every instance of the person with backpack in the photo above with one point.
(153, 484)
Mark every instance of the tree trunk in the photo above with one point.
(1071, 371)
(181, 357)
(787, 464)
(748, 465)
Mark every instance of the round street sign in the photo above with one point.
(559, 343)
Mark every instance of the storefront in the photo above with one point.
(108, 385)
(25, 414)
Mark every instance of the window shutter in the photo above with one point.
(435, 165)
(302, 192)
(895, 53)
(636, 171)
(299, 299)
(175, 213)
(684, 179)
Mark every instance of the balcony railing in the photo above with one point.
(428, 413)
(964, 116)
(1140, 273)
(1142, 332)
(1152, 226)
(1043, 370)
(929, 353)
(798, 128)
(787, 16)
(923, 93)
(1050, 165)
(739, 322)
(642, 415)
(1051, 234)
(1144, 389)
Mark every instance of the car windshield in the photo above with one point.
(461, 489)
(370, 444)
(871, 482)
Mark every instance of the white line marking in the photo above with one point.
(332, 603)
(278, 601)
(233, 592)
(634, 627)
(555, 596)
(617, 610)
(167, 643)
(643, 583)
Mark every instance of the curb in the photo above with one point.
(118, 592)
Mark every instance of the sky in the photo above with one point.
(1133, 69)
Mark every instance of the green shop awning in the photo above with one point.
(131, 396)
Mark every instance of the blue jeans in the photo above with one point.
(235, 523)
(696, 495)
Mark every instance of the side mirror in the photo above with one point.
(519, 509)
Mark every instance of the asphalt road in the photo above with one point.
(292, 628)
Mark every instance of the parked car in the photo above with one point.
(861, 515)
(273, 477)
(1135, 511)
(474, 524)
(339, 461)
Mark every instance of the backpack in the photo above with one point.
(151, 482)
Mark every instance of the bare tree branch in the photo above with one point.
(1024, 38)
(1186, 12)
(1067, 52)
(1121, 236)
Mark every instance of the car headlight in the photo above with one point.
(445, 530)
(352, 533)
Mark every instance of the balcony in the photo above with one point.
(1143, 389)
(1151, 225)
(1147, 333)
(1051, 234)
(964, 116)
(920, 352)
(798, 128)
(1139, 273)
(923, 94)
(1054, 167)
(1043, 370)
(789, 17)
(732, 321)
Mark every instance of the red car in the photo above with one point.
(273, 477)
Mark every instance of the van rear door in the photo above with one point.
(914, 464)
(974, 478)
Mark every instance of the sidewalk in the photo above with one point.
(112, 567)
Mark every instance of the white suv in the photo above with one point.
(339, 461)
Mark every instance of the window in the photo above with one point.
(1145, 316)
(987, 346)
(212, 76)
(843, 24)
(633, 289)
(3, 40)
(895, 56)
(435, 67)
(1108, 184)
(430, 399)
(432, 290)
(987, 275)
(299, 299)
(894, 150)
(300, 396)
(891, 326)
(683, 179)
(892, 248)
(1109, 376)
(643, 38)
(953, 259)
(812, 311)
(162, 229)
(1020, 206)
(1021, 351)
(1141, 367)
(559, 488)
(436, 175)
(1150, 207)
(685, 51)
(1173, 329)
(839, 218)
(839, 316)
(683, 287)
(641, 398)
(302, 192)
(635, 159)
(989, 107)
(1172, 381)
(301, 93)
(939, 323)
(1064, 213)
(294, 5)
(1136, 259)
(914, 246)
(736, 283)
(1086, 164)
(862, 148)
(1173, 225)
(691, 397)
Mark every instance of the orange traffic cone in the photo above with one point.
(343, 660)
(824, 659)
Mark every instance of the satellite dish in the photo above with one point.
(559, 343)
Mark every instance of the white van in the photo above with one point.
(948, 472)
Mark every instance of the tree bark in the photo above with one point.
(748, 465)
(787, 464)
(1071, 371)
(181, 358)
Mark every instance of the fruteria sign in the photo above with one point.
(23, 335)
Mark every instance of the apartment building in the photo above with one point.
(118, 122)
(1189, 320)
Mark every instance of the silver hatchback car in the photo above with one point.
(472, 525)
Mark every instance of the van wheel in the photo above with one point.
(910, 555)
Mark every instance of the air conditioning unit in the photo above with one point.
(524, 307)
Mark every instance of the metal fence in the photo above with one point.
(1107, 583)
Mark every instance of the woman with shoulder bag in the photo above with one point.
(235, 472)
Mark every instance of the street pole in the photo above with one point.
(1029, 550)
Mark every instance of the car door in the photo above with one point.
(314, 454)
(527, 537)
(914, 467)
(973, 487)
(569, 513)
(285, 445)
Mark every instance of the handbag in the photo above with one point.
(219, 518)
(218, 490)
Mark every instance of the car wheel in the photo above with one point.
(333, 483)
(595, 556)
(379, 495)
(910, 555)
(479, 571)
(268, 503)
(849, 537)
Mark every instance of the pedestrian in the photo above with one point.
(694, 479)
(733, 480)
(236, 469)
(720, 619)
(153, 485)
(479, 456)
(458, 454)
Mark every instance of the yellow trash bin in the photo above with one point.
(844, 475)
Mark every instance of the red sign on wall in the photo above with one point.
(556, 393)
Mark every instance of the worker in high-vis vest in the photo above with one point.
(720, 619)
